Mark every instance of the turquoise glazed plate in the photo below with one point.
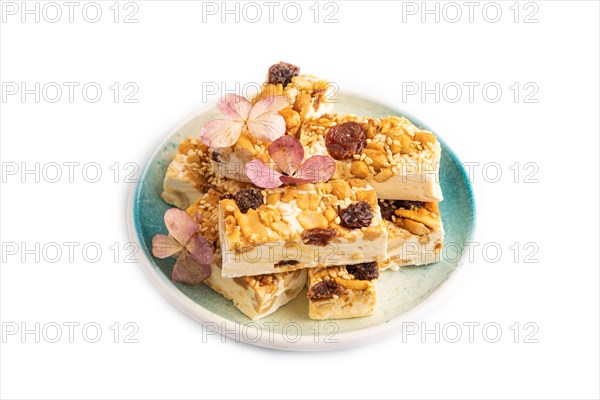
(289, 327)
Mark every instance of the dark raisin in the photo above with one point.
(325, 290)
(365, 271)
(282, 73)
(247, 199)
(318, 236)
(357, 215)
(408, 205)
(387, 209)
(215, 156)
(345, 140)
(206, 187)
(286, 262)
(226, 196)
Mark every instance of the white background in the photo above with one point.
(169, 54)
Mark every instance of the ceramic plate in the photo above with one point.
(290, 328)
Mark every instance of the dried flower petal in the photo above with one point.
(235, 107)
(187, 270)
(271, 104)
(267, 127)
(316, 169)
(261, 119)
(194, 253)
(293, 179)
(201, 249)
(288, 153)
(164, 246)
(181, 225)
(262, 175)
(264, 121)
(221, 132)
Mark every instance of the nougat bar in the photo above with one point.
(415, 233)
(332, 223)
(342, 291)
(256, 296)
(398, 159)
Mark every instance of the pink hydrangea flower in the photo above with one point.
(262, 120)
(287, 152)
(193, 252)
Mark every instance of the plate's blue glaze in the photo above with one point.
(397, 292)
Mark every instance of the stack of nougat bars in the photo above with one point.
(271, 243)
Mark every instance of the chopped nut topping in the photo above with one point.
(413, 227)
(359, 169)
(311, 220)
